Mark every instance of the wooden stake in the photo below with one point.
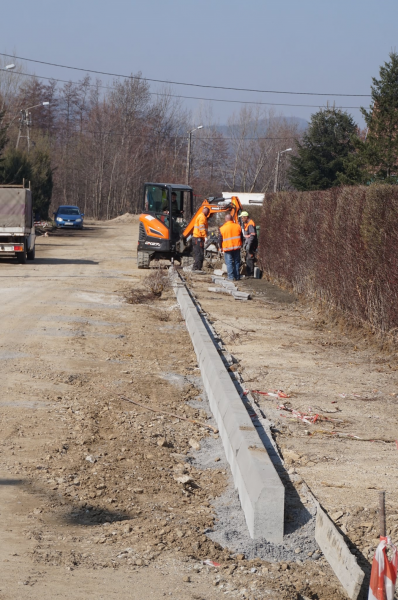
(382, 513)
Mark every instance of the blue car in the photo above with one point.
(69, 217)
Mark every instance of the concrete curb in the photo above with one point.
(261, 492)
(228, 288)
(336, 552)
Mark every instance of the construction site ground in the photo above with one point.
(100, 498)
(337, 378)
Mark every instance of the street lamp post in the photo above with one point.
(189, 152)
(276, 181)
(26, 121)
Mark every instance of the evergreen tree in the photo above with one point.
(380, 150)
(42, 182)
(15, 167)
(34, 167)
(326, 156)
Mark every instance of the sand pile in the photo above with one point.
(126, 218)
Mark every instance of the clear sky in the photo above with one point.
(292, 45)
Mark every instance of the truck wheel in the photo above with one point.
(21, 257)
(187, 261)
(143, 260)
(31, 253)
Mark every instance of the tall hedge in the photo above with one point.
(339, 245)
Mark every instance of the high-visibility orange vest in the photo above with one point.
(200, 227)
(246, 228)
(231, 236)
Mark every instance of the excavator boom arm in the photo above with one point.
(215, 206)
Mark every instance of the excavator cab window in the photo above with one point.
(180, 210)
(154, 199)
(187, 204)
(171, 206)
(156, 202)
(177, 203)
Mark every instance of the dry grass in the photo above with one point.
(157, 282)
(234, 337)
(153, 285)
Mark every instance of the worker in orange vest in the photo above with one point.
(230, 240)
(251, 242)
(199, 239)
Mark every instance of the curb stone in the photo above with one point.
(261, 491)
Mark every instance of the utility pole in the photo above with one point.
(26, 121)
(188, 176)
(276, 173)
(276, 180)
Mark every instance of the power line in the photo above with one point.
(213, 87)
(106, 87)
(179, 136)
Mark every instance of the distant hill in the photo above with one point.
(302, 125)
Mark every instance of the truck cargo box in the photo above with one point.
(15, 208)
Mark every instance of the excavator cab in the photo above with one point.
(167, 208)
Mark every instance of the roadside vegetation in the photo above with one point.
(334, 151)
(152, 287)
(337, 246)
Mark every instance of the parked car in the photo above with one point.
(69, 216)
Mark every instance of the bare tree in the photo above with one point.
(255, 137)
(105, 141)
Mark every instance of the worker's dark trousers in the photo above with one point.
(250, 264)
(198, 247)
(250, 258)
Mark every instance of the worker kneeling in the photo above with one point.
(199, 239)
(251, 242)
(230, 240)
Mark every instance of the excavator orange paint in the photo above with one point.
(167, 222)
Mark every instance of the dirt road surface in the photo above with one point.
(88, 494)
(99, 498)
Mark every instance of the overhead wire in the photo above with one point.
(178, 96)
(178, 136)
(214, 87)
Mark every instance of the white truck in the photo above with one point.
(17, 230)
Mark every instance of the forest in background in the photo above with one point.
(95, 145)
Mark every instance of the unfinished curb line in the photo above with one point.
(336, 551)
(261, 492)
(334, 548)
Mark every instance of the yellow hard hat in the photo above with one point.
(244, 214)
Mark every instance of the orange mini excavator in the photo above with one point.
(167, 221)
